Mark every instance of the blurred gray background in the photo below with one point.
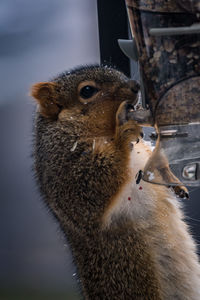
(39, 39)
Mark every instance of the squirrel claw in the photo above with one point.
(181, 192)
(138, 176)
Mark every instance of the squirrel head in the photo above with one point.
(76, 109)
(90, 94)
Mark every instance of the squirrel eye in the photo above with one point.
(88, 91)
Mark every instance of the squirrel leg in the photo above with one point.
(180, 190)
(127, 130)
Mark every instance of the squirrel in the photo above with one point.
(128, 240)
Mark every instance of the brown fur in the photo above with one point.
(84, 169)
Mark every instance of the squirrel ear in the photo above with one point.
(46, 96)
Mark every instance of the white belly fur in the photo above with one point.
(135, 201)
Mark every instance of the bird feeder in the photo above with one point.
(166, 43)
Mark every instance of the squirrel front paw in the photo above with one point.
(181, 191)
(127, 130)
